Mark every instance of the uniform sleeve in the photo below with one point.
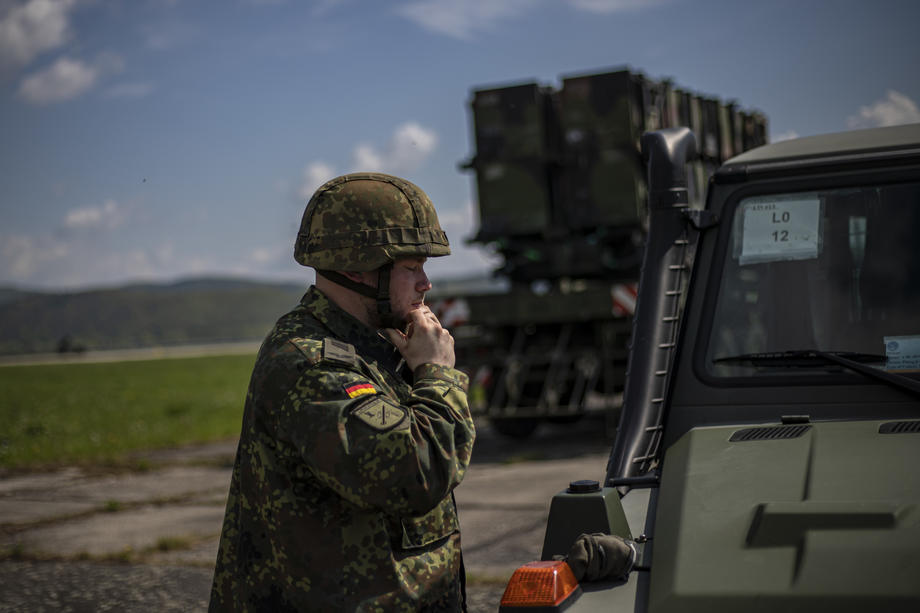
(372, 449)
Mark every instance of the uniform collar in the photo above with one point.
(343, 326)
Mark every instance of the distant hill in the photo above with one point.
(8, 294)
(196, 311)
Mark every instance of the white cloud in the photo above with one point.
(613, 6)
(67, 259)
(894, 110)
(787, 135)
(135, 89)
(32, 27)
(365, 158)
(320, 7)
(66, 78)
(80, 260)
(462, 19)
(168, 35)
(314, 175)
(24, 256)
(273, 261)
(108, 215)
(165, 252)
(409, 147)
(458, 222)
(260, 256)
(464, 260)
(267, 255)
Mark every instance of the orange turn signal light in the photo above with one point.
(541, 584)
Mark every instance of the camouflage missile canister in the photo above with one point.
(562, 200)
(560, 179)
(755, 130)
(510, 123)
(737, 129)
(601, 179)
(709, 129)
(726, 144)
(513, 143)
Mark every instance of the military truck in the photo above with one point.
(561, 195)
(767, 455)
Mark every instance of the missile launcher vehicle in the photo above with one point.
(562, 202)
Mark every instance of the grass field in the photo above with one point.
(98, 413)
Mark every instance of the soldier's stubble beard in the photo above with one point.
(376, 321)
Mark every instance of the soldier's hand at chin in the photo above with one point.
(424, 341)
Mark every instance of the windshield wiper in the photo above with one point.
(808, 358)
(795, 358)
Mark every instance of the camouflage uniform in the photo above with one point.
(341, 491)
(341, 497)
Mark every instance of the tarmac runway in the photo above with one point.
(88, 540)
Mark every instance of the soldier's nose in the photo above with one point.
(423, 285)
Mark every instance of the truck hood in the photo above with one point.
(797, 517)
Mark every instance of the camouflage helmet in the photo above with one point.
(362, 221)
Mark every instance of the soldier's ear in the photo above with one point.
(358, 277)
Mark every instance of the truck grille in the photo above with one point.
(899, 427)
(769, 434)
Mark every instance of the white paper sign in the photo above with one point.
(776, 229)
(903, 353)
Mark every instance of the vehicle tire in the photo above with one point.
(564, 420)
(518, 428)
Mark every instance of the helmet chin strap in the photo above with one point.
(384, 308)
(381, 293)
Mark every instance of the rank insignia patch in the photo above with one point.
(380, 414)
(338, 351)
(361, 389)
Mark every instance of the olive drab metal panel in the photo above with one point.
(601, 175)
(514, 198)
(755, 130)
(737, 129)
(601, 109)
(510, 123)
(513, 144)
(559, 175)
(709, 129)
(726, 149)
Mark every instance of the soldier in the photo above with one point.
(356, 427)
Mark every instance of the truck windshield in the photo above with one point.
(834, 271)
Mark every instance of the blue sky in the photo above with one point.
(161, 139)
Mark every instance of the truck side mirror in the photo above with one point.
(667, 153)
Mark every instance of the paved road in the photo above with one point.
(78, 540)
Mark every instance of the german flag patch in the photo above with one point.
(361, 389)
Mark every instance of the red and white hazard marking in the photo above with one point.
(624, 298)
(451, 311)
